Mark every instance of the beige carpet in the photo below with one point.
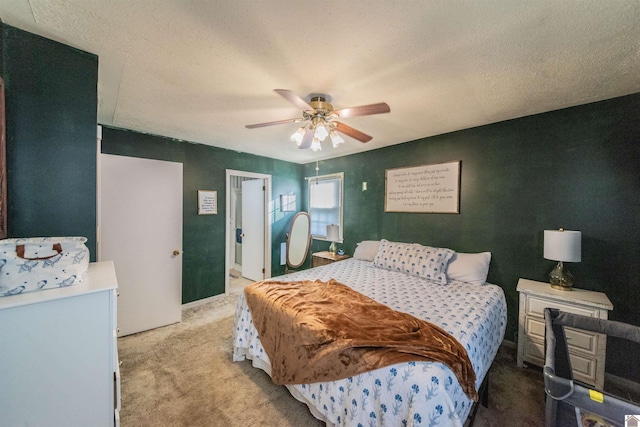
(183, 375)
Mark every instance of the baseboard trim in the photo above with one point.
(192, 304)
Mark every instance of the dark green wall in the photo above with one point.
(204, 168)
(51, 103)
(1, 49)
(577, 168)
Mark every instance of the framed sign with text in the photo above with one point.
(423, 189)
(207, 202)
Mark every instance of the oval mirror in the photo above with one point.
(298, 240)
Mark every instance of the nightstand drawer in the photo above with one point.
(587, 350)
(577, 340)
(536, 306)
(534, 351)
(317, 261)
(584, 368)
(324, 258)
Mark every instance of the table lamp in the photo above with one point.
(562, 246)
(333, 234)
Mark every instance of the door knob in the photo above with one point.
(176, 252)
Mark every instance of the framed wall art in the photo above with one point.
(431, 188)
(207, 202)
(288, 202)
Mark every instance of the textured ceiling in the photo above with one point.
(201, 70)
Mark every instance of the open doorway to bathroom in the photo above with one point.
(248, 232)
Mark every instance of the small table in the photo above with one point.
(326, 257)
(586, 349)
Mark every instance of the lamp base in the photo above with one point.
(560, 278)
(333, 248)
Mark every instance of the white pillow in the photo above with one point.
(469, 268)
(366, 250)
(415, 259)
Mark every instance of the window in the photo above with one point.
(325, 204)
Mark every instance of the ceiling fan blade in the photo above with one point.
(353, 133)
(277, 122)
(363, 110)
(306, 139)
(295, 99)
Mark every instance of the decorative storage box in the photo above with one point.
(33, 264)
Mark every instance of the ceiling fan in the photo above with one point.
(322, 120)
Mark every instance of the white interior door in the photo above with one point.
(140, 228)
(253, 235)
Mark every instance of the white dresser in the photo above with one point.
(586, 349)
(58, 354)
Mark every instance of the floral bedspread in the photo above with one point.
(406, 394)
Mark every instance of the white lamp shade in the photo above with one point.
(333, 232)
(321, 132)
(298, 135)
(315, 144)
(563, 245)
(335, 138)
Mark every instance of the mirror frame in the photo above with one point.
(306, 250)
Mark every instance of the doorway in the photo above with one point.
(248, 234)
(140, 224)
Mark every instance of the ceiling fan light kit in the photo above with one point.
(322, 120)
(336, 139)
(298, 135)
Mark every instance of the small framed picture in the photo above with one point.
(207, 202)
(288, 202)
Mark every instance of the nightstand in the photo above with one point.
(326, 257)
(586, 349)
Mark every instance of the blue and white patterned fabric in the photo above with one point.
(406, 394)
(413, 258)
(42, 263)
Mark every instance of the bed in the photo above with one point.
(411, 393)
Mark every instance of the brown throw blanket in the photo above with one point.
(314, 331)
